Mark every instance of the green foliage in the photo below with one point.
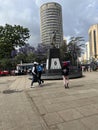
(72, 50)
(20, 58)
(76, 44)
(28, 54)
(63, 50)
(41, 53)
(11, 37)
(31, 57)
(5, 64)
(75, 47)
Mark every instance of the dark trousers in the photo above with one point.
(39, 77)
(35, 79)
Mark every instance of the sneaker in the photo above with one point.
(42, 81)
(32, 86)
(39, 82)
(67, 85)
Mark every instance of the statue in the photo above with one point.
(53, 39)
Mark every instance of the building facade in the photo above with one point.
(87, 52)
(93, 41)
(50, 23)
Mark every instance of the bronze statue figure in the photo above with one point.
(53, 39)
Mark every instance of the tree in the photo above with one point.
(75, 47)
(11, 37)
(28, 52)
(41, 53)
(26, 49)
(20, 58)
(63, 50)
(76, 44)
(72, 50)
(31, 57)
(5, 64)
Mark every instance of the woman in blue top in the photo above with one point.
(40, 70)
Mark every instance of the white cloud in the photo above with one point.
(78, 16)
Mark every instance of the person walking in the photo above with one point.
(39, 70)
(65, 74)
(35, 76)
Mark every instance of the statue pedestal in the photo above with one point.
(53, 64)
(53, 67)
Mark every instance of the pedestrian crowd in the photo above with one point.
(37, 70)
(93, 66)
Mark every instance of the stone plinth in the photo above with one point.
(53, 64)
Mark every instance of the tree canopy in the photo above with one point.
(11, 37)
(72, 50)
(75, 48)
(76, 44)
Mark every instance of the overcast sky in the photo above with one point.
(78, 16)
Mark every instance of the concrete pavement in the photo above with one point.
(50, 107)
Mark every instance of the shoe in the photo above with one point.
(42, 81)
(39, 82)
(32, 86)
(67, 85)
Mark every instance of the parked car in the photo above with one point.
(4, 72)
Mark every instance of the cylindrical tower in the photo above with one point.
(51, 21)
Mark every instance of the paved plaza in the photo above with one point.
(50, 107)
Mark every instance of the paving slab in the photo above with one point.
(72, 125)
(91, 122)
(70, 114)
(51, 106)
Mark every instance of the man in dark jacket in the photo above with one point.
(34, 73)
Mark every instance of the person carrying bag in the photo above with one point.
(34, 74)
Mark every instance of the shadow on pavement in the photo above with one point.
(11, 91)
(77, 86)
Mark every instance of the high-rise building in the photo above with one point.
(87, 51)
(51, 22)
(93, 41)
